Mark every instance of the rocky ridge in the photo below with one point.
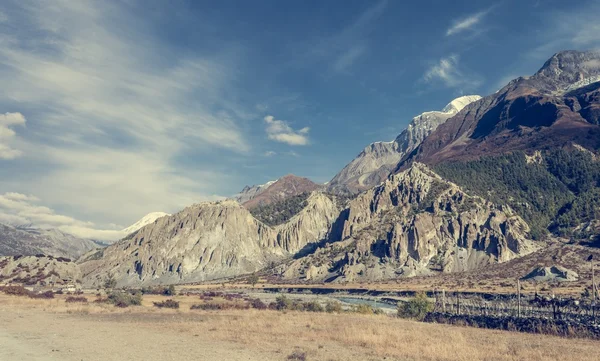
(416, 223)
(208, 241)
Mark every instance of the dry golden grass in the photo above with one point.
(324, 336)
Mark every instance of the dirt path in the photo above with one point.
(42, 336)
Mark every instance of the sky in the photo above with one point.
(110, 110)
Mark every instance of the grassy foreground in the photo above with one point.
(298, 335)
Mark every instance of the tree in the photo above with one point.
(110, 282)
(253, 279)
(416, 308)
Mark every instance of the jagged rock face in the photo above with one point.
(417, 223)
(38, 271)
(310, 226)
(373, 165)
(285, 187)
(29, 242)
(556, 107)
(208, 241)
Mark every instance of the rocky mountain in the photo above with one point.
(416, 223)
(378, 160)
(39, 271)
(285, 187)
(144, 221)
(32, 241)
(250, 192)
(208, 241)
(557, 106)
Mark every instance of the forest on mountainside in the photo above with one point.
(556, 192)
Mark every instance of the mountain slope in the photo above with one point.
(416, 223)
(285, 187)
(558, 106)
(29, 242)
(208, 241)
(378, 160)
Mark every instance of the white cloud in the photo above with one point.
(447, 71)
(7, 134)
(115, 112)
(467, 23)
(23, 210)
(280, 131)
(347, 59)
(270, 153)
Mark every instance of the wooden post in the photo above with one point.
(519, 298)
(444, 300)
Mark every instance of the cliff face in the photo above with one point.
(208, 241)
(416, 223)
(373, 165)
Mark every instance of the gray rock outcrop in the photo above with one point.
(416, 223)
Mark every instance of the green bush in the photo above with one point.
(167, 304)
(416, 308)
(313, 306)
(334, 307)
(125, 299)
(283, 303)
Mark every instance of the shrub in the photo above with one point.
(364, 309)
(16, 291)
(125, 299)
(44, 295)
(283, 303)
(167, 304)
(297, 356)
(313, 306)
(333, 306)
(416, 308)
(79, 299)
(258, 304)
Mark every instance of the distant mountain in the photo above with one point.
(375, 163)
(250, 192)
(557, 106)
(31, 241)
(147, 219)
(285, 187)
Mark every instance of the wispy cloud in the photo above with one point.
(280, 131)
(346, 59)
(448, 72)
(8, 120)
(574, 29)
(114, 110)
(24, 210)
(270, 153)
(467, 23)
(341, 50)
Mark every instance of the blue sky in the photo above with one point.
(113, 109)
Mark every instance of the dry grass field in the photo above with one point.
(37, 329)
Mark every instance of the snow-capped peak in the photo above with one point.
(458, 104)
(146, 220)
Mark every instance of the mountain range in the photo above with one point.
(487, 180)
